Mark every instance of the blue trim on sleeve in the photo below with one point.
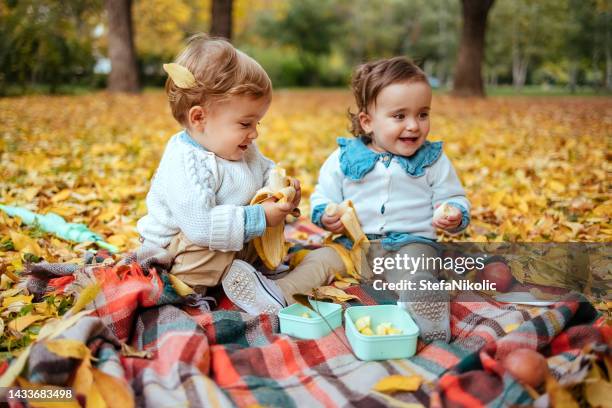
(317, 213)
(465, 217)
(254, 221)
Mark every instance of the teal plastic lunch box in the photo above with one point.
(313, 327)
(381, 347)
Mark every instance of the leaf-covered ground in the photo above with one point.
(534, 169)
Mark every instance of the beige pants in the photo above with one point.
(316, 269)
(201, 267)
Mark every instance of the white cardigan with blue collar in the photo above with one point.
(394, 196)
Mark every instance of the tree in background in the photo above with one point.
(468, 72)
(525, 33)
(124, 71)
(221, 12)
(310, 27)
(162, 25)
(589, 41)
(46, 42)
(318, 43)
(561, 42)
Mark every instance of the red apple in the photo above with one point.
(527, 366)
(498, 273)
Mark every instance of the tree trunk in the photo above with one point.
(222, 19)
(442, 46)
(608, 79)
(124, 71)
(608, 70)
(519, 69)
(468, 72)
(573, 74)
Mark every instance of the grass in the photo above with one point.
(496, 91)
(540, 90)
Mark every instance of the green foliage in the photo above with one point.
(309, 25)
(325, 40)
(307, 32)
(46, 42)
(51, 46)
(547, 41)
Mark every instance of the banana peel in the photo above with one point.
(353, 258)
(271, 246)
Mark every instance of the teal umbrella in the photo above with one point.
(55, 224)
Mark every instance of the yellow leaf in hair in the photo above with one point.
(180, 75)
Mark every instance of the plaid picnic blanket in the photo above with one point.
(220, 358)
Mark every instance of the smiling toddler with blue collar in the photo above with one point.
(395, 179)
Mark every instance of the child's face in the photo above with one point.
(229, 127)
(399, 120)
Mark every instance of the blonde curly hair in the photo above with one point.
(220, 71)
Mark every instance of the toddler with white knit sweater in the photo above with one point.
(395, 179)
(199, 217)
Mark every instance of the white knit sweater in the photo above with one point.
(202, 195)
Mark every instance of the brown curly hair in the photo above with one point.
(371, 78)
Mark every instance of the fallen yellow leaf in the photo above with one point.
(180, 287)
(556, 186)
(333, 293)
(87, 295)
(398, 383)
(118, 240)
(24, 243)
(114, 391)
(61, 196)
(21, 323)
(559, 396)
(68, 348)
(341, 284)
(603, 210)
(25, 299)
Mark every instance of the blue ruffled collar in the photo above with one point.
(356, 160)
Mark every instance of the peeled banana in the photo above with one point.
(271, 246)
(352, 259)
(363, 325)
